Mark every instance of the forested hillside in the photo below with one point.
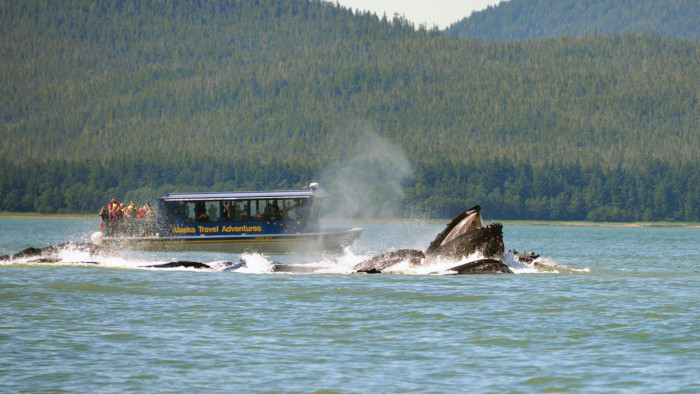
(130, 99)
(534, 19)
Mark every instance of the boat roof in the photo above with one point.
(238, 195)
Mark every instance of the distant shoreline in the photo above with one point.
(594, 224)
(36, 215)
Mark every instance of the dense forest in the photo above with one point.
(535, 19)
(130, 99)
(655, 191)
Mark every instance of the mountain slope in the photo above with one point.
(534, 19)
(100, 98)
(246, 78)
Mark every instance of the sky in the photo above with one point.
(442, 13)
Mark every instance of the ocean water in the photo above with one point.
(607, 309)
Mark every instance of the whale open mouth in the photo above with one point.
(473, 247)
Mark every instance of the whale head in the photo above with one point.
(466, 221)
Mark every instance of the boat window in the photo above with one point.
(190, 212)
(270, 210)
(291, 209)
(241, 211)
(213, 211)
(256, 210)
(235, 211)
(202, 212)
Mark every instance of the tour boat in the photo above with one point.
(259, 221)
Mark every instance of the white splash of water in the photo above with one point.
(519, 267)
(255, 263)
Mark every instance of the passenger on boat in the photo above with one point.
(203, 217)
(104, 213)
(114, 212)
(128, 219)
(290, 211)
(118, 219)
(213, 212)
(287, 209)
(147, 220)
(104, 217)
(244, 213)
(237, 212)
(226, 211)
(269, 212)
(258, 216)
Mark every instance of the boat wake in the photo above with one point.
(83, 254)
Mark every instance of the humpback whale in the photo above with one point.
(464, 236)
(48, 254)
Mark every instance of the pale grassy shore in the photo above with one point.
(528, 222)
(36, 215)
(594, 224)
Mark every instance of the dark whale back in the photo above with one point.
(483, 266)
(377, 264)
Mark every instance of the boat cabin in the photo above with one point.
(239, 213)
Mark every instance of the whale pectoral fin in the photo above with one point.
(379, 263)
